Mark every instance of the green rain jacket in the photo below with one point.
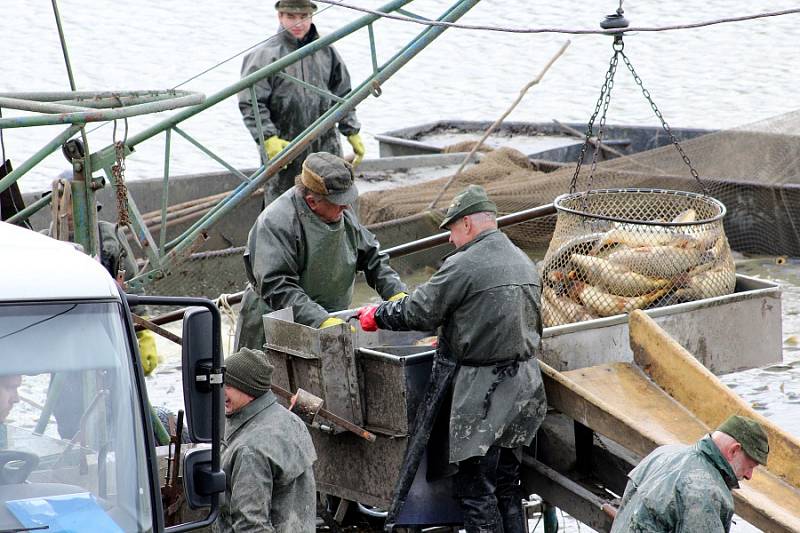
(286, 108)
(682, 489)
(295, 259)
(486, 300)
(267, 456)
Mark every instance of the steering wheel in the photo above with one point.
(16, 466)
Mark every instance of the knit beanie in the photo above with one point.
(249, 371)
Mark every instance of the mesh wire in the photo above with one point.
(614, 251)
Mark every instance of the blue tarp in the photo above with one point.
(67, 513)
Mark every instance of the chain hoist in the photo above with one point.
(618, 21)
(118, 172)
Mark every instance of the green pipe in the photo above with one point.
(36, 158)
(63, 45)
(38, 107)
(165, 191)
(99, 98)
(325, 122)
(550, 518)
(53, 395)
(161, 434)
(32, 209)
(80, 218)
(372, 50)
(211, 154)
(308, 86)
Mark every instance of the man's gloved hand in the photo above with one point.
(333, 321)
(147, 350)
(274, 145)
(358, 148)
(399, 296)
(366, 317)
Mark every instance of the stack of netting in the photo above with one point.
(614, 251)
(754, 170)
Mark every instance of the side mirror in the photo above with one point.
(200, 482)
(198, 349)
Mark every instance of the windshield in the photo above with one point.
(71, 431)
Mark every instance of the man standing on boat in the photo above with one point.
(304, 251)
(485, 303)
(287, 108)
(688, 488)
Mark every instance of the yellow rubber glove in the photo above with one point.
(333, 321)
(399, 296)
(358, 148)
(274, 145)
(147, 350)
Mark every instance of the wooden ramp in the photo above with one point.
(667, 397)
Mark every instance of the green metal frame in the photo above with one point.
(163, 255)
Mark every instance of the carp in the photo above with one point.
(635, 236)
(657, 261)
(563, 309)
(605, 304)
(704, 283)
(616, 278)
(690, 215)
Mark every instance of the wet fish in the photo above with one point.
(635, 236)
(567, 310)
(657, 261)
(605, 304)
(615, 278)
(703, 283)
(690, 215)
(552, 315)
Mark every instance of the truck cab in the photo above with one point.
(76, 441)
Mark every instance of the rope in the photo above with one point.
(613, 31)
(225, 307)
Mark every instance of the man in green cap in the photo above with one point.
(304, 251)
(485, 303)
(688, 488)
(267, 455)
(287, 108)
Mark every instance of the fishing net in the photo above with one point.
(614, 251)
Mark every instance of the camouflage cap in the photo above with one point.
(329, 176)
(249, 371)
(295, 6)
(749, 434)
(471, 200)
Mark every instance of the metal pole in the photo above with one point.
(63, 45)
(36, 158)
(32, 209)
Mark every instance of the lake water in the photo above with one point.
(717, 77)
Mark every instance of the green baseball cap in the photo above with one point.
(471, 200)
(295, 6)
(749, 434)
(329, 176)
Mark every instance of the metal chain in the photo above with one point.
(602, 124)
(664, 124)
(612, 68)
(118, 171)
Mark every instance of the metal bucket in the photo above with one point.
(616, 250)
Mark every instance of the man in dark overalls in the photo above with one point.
(485, 301)
(304, 251)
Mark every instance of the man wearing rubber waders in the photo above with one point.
(688, 488)
(486, 383)
(304, 251)
(287, 108)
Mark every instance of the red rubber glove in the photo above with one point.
(366, 317)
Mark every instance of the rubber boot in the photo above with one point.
(475, 491)
(509, 491)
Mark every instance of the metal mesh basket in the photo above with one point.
(616, 250)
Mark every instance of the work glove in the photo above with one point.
(399, 296)
(358, 148)
(274, 145)
(147, 350)
(366, 317)
(333, 321)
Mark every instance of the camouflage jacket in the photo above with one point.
(267, 456)
(486, 301)
(683, 489)
(294, 259)
(286, 108)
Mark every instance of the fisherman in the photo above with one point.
(8, 397)
(267, 455)
(304, 250)
(485, 300)
(688, 488)
(287, 108)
